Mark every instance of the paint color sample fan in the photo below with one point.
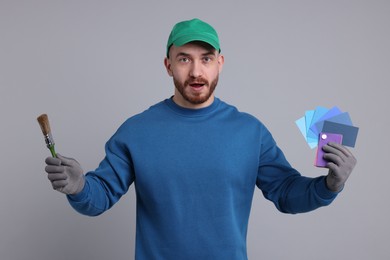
(327, 120)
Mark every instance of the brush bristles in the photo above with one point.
(43, 121)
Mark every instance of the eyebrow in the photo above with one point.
(203, 54)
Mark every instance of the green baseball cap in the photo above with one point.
(193, 30)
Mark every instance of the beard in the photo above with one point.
(196, 98)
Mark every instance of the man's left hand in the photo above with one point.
(340, 165)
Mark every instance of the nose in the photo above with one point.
(196, 69)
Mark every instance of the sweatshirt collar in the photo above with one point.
(191, 112)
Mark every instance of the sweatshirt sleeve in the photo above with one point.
(284, 186)
(106, 185)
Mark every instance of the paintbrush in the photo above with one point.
(43, 121)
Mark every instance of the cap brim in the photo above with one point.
(196, 37)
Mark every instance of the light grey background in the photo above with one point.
(91, 64)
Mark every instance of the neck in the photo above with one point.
(180, 101)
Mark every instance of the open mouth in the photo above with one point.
(197, 85)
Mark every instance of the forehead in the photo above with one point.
(193, 48)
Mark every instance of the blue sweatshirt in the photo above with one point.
(194, 173)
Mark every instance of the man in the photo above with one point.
(195, 162)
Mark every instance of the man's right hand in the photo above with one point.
(65, 174)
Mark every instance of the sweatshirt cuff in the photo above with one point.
(82, 195)
(323, 191)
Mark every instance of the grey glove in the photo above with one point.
(341, 164)
(65, 174)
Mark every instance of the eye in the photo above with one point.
(207, 59)
(184, 59)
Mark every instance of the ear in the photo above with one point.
(168, 65)
(221, 61)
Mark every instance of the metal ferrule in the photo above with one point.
(49, 140)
